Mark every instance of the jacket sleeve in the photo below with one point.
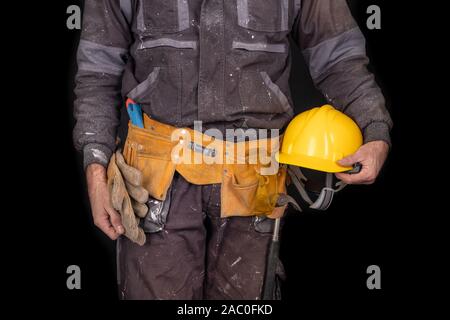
(334, 49)
(101, 58)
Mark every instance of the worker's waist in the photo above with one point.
(231, 144)
(234, 131)
(250, 177)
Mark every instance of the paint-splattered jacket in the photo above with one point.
(216, 61)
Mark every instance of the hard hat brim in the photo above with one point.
(311, 163)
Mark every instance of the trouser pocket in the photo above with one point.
(157, 214)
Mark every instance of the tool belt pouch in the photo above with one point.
(246, 192)
(150, 152)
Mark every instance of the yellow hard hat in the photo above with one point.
(316, 139)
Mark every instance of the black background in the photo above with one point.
(325, 254)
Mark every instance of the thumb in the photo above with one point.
(348, 161)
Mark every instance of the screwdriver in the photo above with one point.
(135, 113)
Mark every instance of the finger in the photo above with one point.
(139, 194)
(129, 219)
(140, 209)
(369, 178)
(115, 220)
(106, 227)
(138, 238)
(350, 179)
(346, 178)
(364, 177)
(110, 232)
(349, 160)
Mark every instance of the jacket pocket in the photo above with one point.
(162, 16)
(266, 16)
(259, 94)
(160, 94)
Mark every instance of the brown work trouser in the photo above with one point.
(198, 255)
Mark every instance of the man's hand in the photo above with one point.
(371, 156)
(105, 217)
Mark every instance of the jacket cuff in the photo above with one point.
(96, 153)
(377, 131)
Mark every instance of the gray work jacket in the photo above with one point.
(216, 61)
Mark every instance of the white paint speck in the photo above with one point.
(235, 262)
(100, 155)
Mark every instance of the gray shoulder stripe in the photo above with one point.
(125, 6)
(183, 15)
(167, 42)
(276, 90)
(284, 15)
(242, 10)
(326, 54)
(99, 69)
(95, 57)
(140, 24)
(260, 46)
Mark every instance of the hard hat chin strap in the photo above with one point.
(326, 194)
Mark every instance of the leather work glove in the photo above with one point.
(128, 196)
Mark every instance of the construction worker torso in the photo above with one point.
(213, 61)
(219, 62)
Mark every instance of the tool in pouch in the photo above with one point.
(135, 113)
(158, 210)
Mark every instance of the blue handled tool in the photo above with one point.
(135, 113)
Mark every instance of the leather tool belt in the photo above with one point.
(251, 180)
